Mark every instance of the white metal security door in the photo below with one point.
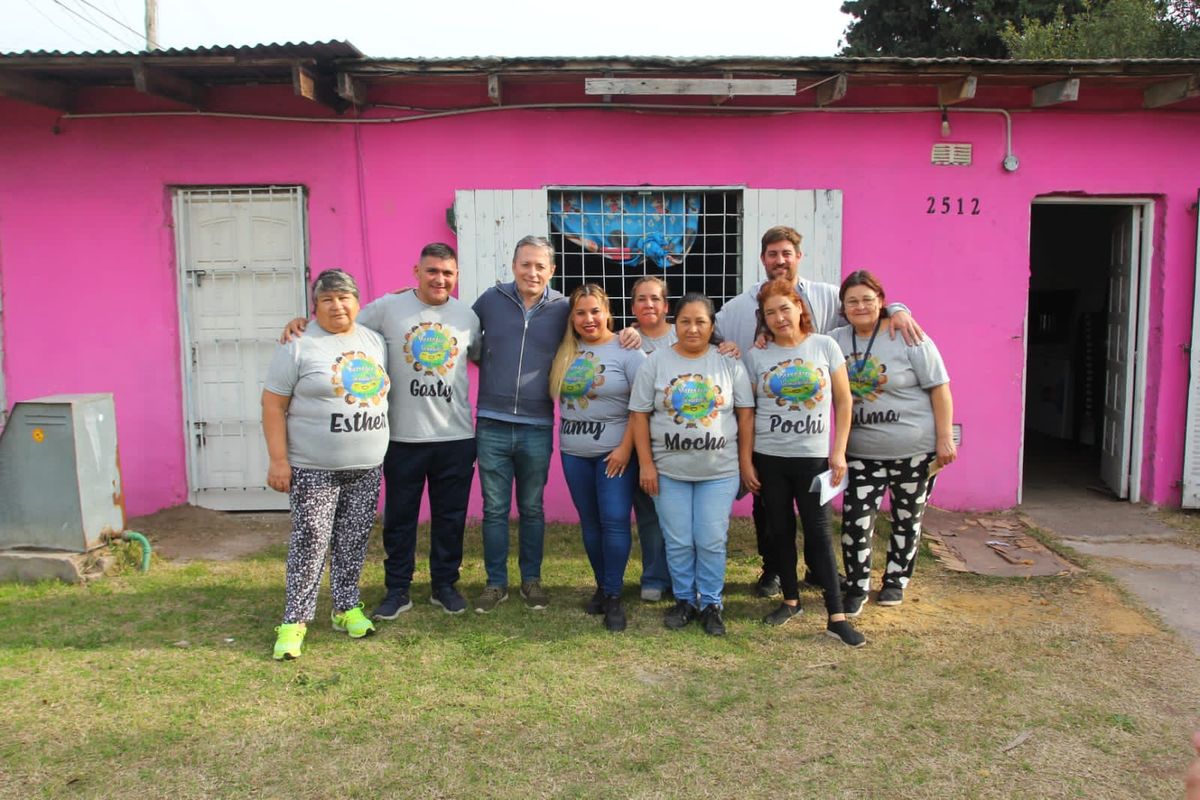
(1120, 351)
(242, 269)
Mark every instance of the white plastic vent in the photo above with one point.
(946, 154)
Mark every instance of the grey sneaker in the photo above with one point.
(889, 596)
(448, 598)
(853, 604)
(491, 597)
(783, 614)
(844, 632)
(535, 596)
(651, 595)
(392, 606)
(767, 586)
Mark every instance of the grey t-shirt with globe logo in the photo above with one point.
(338, 415)
(593, 401)
(794, 399)
(693, 428)
(428, 350)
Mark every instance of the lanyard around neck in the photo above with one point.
(861, 362)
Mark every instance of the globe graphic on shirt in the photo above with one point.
(867, 378)
(579, 378)
(796, 382)
(430, 347)
(692, 398)
(362, 378)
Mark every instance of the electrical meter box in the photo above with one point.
(60, 479)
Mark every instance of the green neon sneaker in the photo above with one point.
(291, 636)
(354, 622)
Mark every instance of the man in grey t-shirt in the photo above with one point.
(430, 337)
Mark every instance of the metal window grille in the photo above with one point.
(713, 265)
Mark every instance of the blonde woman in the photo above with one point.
(591, 378)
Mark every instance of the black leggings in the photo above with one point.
(786, 481)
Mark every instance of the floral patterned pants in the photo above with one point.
(332, 515)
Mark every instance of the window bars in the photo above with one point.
(691, 238)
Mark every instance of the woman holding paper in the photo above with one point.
(901, 436)
(800, 387)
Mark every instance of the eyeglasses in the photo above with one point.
(865, 302)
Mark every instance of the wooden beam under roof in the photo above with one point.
(832, 90)
(956, 91)
(689, 86)
(1051, 94)
(351, 89)
(162, 83)
(312, 86)
(38, 91)
(1168, 92)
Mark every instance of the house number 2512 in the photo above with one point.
(959, 206)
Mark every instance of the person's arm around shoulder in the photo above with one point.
(630, 338)
(293, 330)
(274, 423)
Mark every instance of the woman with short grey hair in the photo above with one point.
(324, 418)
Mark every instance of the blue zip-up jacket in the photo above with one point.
(514, 368)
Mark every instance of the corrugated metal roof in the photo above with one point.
(319, 50)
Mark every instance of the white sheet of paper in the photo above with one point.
(823, 483)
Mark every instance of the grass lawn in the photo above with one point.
(162, 685)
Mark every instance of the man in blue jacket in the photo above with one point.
(522, 323)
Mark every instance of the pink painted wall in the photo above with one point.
(86, 240)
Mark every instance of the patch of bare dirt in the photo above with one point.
(189, 533)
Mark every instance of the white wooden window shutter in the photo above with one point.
(815, 213)
(1191, 447)
(489, 224)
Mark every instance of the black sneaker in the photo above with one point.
(852, 603)
(448, 598)
(596, 604)
(392, 606)
(890, 596)
(783, 614)
(710, 618)
(680, 615)
(844, 632)
(614, 615)
(768, 586)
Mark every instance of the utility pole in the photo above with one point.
(151, 25)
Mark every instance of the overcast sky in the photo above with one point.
(445, 28)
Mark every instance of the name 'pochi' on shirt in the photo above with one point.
(794, 396)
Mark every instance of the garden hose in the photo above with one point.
(134, 536)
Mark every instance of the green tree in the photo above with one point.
(1110, 29)
(940, 28)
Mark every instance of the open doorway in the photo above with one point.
(1082, 391)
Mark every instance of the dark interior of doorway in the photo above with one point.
(1069, 257)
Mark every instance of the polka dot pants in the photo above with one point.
(910, 485)
(332, 515)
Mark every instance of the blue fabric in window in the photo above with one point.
(627, 226)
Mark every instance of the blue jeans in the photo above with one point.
(510, 453)
(448, 467)
(654, 549)
(695, 521)
(604, 505)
